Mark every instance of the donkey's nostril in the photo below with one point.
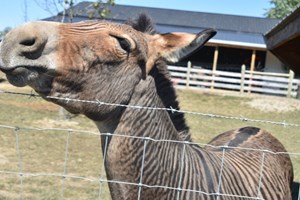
(28, 42)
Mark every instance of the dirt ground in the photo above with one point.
(274, 104)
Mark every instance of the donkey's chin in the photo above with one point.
(22, 76)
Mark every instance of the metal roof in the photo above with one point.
(232, 29)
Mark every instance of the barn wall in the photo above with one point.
(273, 64)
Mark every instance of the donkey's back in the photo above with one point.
(270, 165)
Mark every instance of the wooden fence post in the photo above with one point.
(252, 68)
(290, 85)
(188, 73)
(243, 79)
(214, 68)
(298, 91)
(250, 82)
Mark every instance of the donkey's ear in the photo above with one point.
(176, 46)
(173, 47)
(180, 45)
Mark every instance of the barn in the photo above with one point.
(283, 40)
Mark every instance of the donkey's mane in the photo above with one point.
(143, 24)
(163, 83)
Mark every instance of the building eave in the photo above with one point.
(285, 30)
(234, 44)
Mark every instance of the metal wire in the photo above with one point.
(149, 138)
(123, 182)
(179, 189)
(210, 115)
(19, 163)
(140, 185)
(65, 164)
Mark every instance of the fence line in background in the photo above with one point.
(246, 81)
(173, 110)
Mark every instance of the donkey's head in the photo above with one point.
(89, 60)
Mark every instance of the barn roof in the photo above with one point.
(232, 30)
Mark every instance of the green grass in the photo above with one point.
(44, 152)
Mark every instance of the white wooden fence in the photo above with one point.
(244, 82)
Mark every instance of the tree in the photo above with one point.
(281, 8)
(4, 32)
(55, 6)
(100, 9)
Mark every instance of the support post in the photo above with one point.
(252, 68)
(253, 57)
(214, 67)
(243, 71)
(291, 78)
(188, 73)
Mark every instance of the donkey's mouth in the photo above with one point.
(20, 69)
(21, 76)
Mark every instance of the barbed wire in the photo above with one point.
(210, 115)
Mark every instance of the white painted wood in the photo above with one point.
(257, 82)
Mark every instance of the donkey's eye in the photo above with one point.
(124, 44)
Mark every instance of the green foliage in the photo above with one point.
(281, 8)
(4, 32)
(100, 8)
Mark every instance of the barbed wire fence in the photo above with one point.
(64, 175)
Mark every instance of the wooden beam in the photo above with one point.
(252, 68)
(253, 57)
(210, 44)
(214, 67)
(216, 55)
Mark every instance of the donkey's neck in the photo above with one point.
(147, 122)
(167, 94)
(125, 151)
(142, 122)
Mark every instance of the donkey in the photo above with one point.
(125, 64)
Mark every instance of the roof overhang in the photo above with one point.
(284, 40)
(222, 38)
(235, 44)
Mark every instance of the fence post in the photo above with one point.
(250, 82)
(298, 91)
(213, 79)
(188, 73)
(243, 78)
(291, 78)
(214, 67)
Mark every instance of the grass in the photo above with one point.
(44, 152)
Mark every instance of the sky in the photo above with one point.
(16, 12)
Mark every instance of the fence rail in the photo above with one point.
(244, 82)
